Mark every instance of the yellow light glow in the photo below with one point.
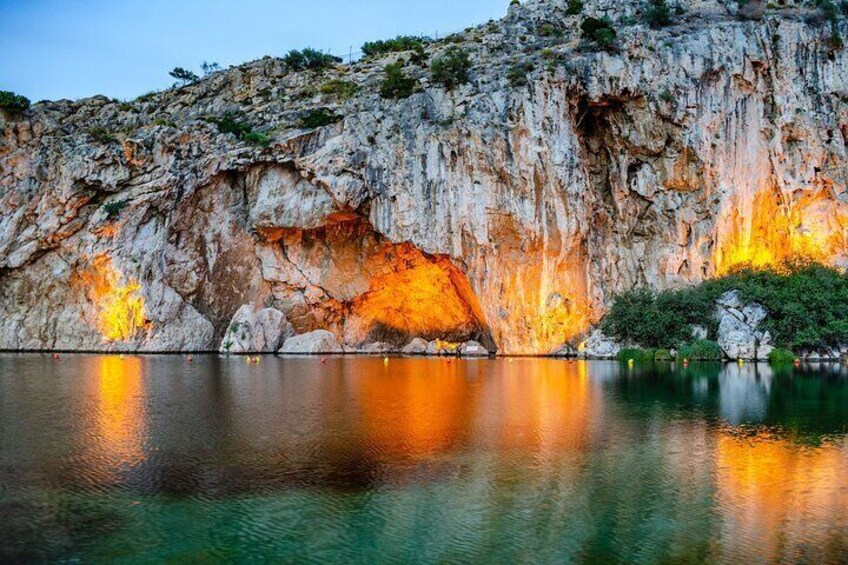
(772, 231)
(120, 307)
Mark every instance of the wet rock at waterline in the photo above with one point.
(319, 341)
(256, 331)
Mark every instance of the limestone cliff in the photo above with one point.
(506, 210)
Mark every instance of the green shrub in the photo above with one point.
(101, 134)
(574, 7)
(636, 354)
(396, 84)
(807, 304)
(658, 14)
(13, 103)
(319, 118)
(257, 138)
(781, 357)
(517, 74)
(701, 350)
(228, 123)
(113, 209)
(662, 355)
(599, 30)
(451, 68)
(311, 59)
(342, 89)
(549, 30)
(396, 45)
(667, 96)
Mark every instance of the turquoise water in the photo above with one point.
(150, 459)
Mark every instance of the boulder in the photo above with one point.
(473, 349)
(256, 331)
(417, 346)
(319, 341)
(738, 336)
(599, 346)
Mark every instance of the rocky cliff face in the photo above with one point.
(502, 212)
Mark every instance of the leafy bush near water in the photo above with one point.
(807, 304)
(781, 357)
(701, 350)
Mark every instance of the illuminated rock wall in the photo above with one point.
(508, 214)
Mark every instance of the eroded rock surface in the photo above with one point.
(256, 331)
(497, 212)
(319, 341)
(738, 333)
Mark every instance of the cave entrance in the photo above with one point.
(366, 289)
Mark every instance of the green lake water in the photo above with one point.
(106, 459)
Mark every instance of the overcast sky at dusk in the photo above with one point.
(52, 49)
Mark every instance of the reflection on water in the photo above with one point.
(105, 458)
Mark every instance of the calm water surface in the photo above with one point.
(145, 459)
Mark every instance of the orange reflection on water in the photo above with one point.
(546, 405)
(416, 408)
(420, 407)
(120, 411)
(776, 498)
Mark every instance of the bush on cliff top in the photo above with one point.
(398, 44)
(309, 58)
(807, 304)
(13, 103)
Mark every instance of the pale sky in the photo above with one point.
(52, 49)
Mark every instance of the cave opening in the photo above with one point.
(347, 278)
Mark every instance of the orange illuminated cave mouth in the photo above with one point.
(119, 304)
(422, 296)
(367, 289)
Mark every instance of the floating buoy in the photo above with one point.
(630, 362)
(190, 358)
(797, 362)
(385, 360)
(323, 360)
(55, 356)
(121, 356)
(509, 360)
(740, 361)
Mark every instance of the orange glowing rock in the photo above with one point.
(120, 306)
(767, 229)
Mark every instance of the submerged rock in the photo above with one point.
(318, 341)
(256, 331)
